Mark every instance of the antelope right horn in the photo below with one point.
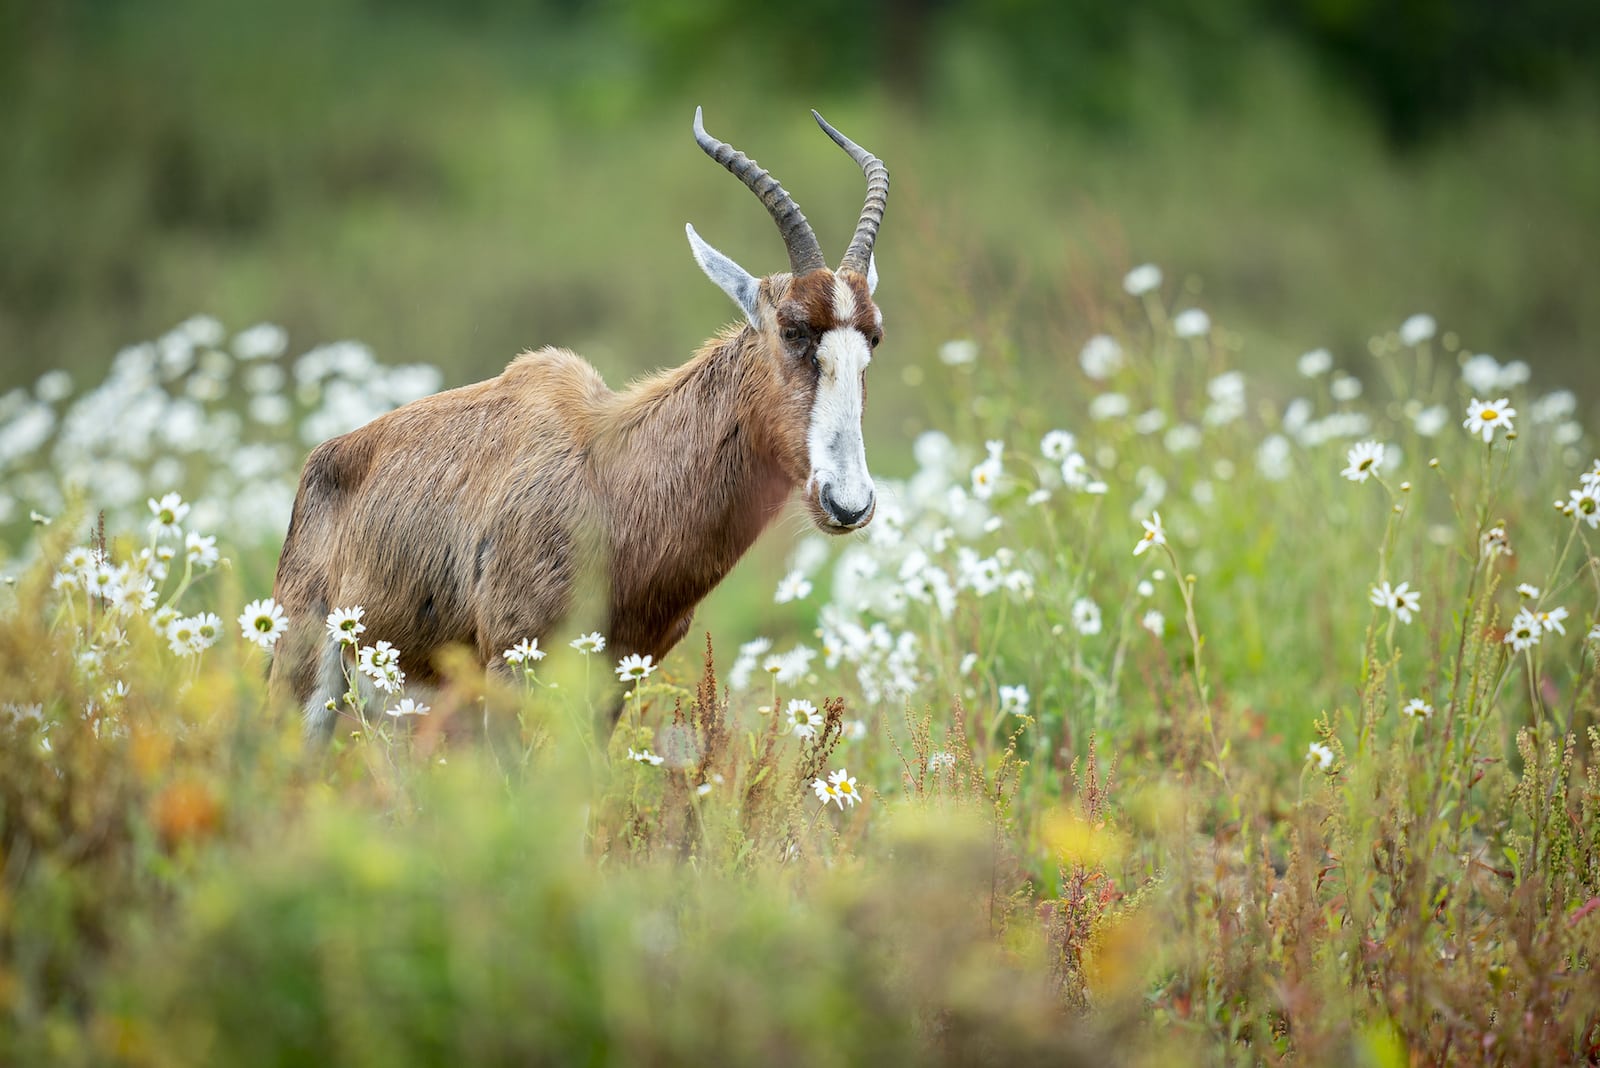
(804, 253)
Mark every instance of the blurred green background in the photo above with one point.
(455, 182)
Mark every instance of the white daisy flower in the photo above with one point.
(790, 666)
(1150, 420)
(1585, 503)
(825, 790)
(158, 564)
(1142, 279)
(986, 476)
(53, 386)
(1365, 459)
(1057, 445)
(1101, 357)
(163, 619)
(1524, 631)
(80, 560)
(105, 582)
(803, 718)
(207, 629)
(1014, 699)
(1019, 582)
(263, 622)
(1496, 542)
(381, 664)
(1109, 406)
(1553, 620)
(1484, 416)
(1315, 363)
(1344, 388)
(262, 341)
(854, 730)
(1185, 437)
(183, 637)
(1154, 622)
(345, 626)
(169, 513)
(1402, 600)
(1430, 420)
(844, 788)
(1086, 616)
(1528, 591)
(1075, 471)
(1154, 534)
(1191, 323)
(1552, 407)
(1322, 754)
(201, 549)
(941, 760)
(592, 642)
(390, 679)
(793, 587)
(407, 707)
(958, 353)
(644, 756)
(136, 594)
(983, 575)
(635, 668)
(526, 651)
(1417, 329)
(1481, 372)
(1417, 708)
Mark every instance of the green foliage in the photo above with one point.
(457, 184)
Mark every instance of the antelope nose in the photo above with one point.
(845, 517)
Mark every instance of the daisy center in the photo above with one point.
(1490, 414)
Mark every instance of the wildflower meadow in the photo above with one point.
(1213, 717)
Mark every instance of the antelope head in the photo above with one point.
(818, 328)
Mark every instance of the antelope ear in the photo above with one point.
(872, 273)
(732, 279)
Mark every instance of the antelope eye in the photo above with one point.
(793, 333)
(875, 339)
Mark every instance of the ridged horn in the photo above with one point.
(859, 253)
(804, 252)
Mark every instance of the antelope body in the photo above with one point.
(467, 517)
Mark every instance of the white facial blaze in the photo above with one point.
(844, 301)
(838, 454)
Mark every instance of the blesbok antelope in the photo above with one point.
(466, 517)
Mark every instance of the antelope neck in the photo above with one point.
(691, 454)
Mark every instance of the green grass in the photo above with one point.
(1146, 862)
(1146, 867)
